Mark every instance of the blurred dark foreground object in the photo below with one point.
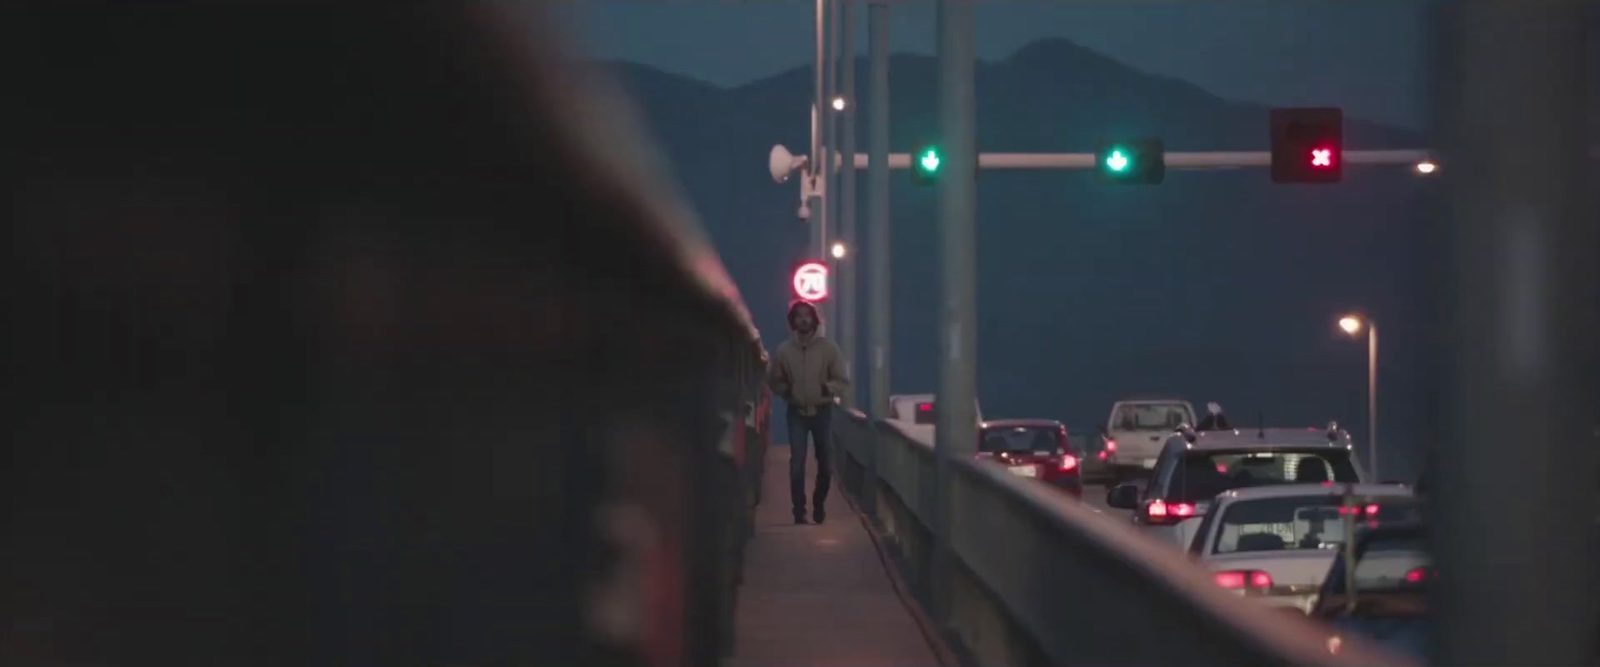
(334, 341)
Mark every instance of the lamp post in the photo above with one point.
(1352, 325)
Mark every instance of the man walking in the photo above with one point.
(807, 371)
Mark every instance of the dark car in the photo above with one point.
(1034, 448)
(1387, 599)
(1190, 473)
(1093, 453)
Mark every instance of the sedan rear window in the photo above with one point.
(1204, 474)
(1021, 439)
(1281, 524)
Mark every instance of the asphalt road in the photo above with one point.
(1094, 495)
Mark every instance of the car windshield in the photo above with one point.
(1281, 524)
(1204, 474)
(1150, 417)
(1021, 439)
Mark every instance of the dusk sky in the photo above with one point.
(1364, 55)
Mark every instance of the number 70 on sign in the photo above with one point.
(811, 281)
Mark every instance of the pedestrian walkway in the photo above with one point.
(821, 595)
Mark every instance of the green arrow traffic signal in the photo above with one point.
(1130, 161)
(925, 164)
(1117, 161)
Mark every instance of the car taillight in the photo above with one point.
(1111, 445)
(1418, 575)
(1101, 455)
(1243, 579)
(1068, 462)
(1160, 511)
(1368, 511)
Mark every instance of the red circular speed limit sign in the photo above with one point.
(811, 281)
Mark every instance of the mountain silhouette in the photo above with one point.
(1215, 285)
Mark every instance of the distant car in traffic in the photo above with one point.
(1275, 543)
(1093, 458)
(1133, 435)
(1387, 599)
(1194, 467)
(1033, 448)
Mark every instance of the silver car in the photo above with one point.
(1276, 543)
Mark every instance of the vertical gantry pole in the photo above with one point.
(955, 434)
(849, 305)
(1516, 451)
(879, 277)
(830, 149)
(815, 163)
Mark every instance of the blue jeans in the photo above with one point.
(817, 426)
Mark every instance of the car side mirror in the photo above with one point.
(1123, 496)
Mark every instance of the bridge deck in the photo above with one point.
(821, 595)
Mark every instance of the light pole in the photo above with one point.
(1352, 325)
(817, 178)
(830, 149)
(877, 263)
(844, 104)
(955, 433)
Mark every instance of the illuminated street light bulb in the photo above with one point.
(1350, 324)
(838, 103)
(1426, 167)
(838, 250)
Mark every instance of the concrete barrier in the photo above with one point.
(1041, 579)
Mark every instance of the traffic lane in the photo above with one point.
(1094, 495)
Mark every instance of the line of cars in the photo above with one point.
(1284, 516)
(1033, 448)
(1289, 517)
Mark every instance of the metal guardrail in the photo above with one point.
(1043, 580)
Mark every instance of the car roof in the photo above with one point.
(1009, 423)
(1152, 398)
(1269, 438)
(1314, 489)
(912, 397)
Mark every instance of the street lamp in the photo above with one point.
(838, 250)
(1352, 326)
(838, 103)
(1426, 167)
